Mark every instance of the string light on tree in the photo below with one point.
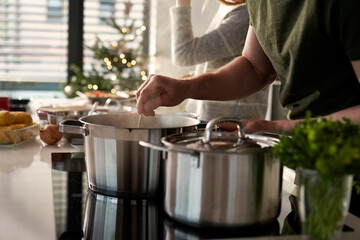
(117, 64)
(69, 90)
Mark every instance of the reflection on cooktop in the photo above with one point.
(68, 162)
(69, 192)
(113, 218)
(175, 230)
(83, 214)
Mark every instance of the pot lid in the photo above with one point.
(210, 140)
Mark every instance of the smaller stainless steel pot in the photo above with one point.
(77, 111)
(221, 179)
(57, 117)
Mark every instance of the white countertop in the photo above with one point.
(26, 202)
(26, 195)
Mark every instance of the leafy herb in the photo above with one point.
(332, 149)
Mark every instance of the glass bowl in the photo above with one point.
(10, 138)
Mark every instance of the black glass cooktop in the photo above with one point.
(83, 214)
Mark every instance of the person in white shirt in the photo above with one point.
(223, 41)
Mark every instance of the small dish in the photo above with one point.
(11, 138)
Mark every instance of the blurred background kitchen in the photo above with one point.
(54, 49)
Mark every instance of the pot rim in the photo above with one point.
(194, 122)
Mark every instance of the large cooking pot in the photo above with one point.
(115, 162)
(221, 179)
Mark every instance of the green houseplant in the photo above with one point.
(327, 155)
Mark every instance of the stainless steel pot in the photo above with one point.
(116, 164)
(62, 112)
(221, 179)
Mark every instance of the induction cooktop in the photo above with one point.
(81, 213)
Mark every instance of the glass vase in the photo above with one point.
(323, 203)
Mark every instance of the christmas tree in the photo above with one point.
(117, 66)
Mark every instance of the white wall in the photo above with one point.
(161, 42)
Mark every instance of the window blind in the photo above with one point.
(33, 40)
(34, 35)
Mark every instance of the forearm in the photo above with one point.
(236, 80)
(286, 126)
(182, 2)
(352, 113)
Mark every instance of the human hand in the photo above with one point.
(259, 125)
(158, 91)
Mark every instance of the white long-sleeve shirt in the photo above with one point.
(223, 41)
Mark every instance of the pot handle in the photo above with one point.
(165, 149)
(119, 103)
(211, 124)
(153, 146)
(272, 134)
(72, 126)
(109, 100)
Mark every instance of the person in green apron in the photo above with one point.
(312, 47)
